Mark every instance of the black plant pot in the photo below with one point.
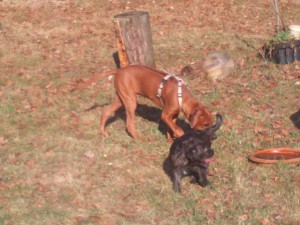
(283, 53)
(296, 47)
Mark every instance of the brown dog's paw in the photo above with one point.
(178, 133)
(170, 137)
(104, 133)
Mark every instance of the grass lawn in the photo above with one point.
(55, 167)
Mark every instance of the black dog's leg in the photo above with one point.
(176, 179)
(193, 179)
(199, 175)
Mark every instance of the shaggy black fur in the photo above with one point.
(190, 156)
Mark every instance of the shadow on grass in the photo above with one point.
(150, 113)
(295, 118)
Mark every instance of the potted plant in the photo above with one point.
(280, 48)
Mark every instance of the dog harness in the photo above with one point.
(179, 90)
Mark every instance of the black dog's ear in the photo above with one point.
(213, 136)
(214, 128)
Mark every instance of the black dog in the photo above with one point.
(190, 155)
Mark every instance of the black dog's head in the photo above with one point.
(202, 151)
(195, 145)
(191, 154)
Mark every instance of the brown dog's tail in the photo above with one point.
(94, 79)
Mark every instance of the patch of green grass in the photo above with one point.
(281, 36)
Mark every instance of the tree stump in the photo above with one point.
(134, 40)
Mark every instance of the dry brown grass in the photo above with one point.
(56, 169)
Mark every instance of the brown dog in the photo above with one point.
(132, 80)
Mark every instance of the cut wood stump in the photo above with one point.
(134, 40)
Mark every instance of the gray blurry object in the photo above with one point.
(217, 65)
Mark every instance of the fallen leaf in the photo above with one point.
(75, 119)
(259, 130)
(30, 163)
(265, 221)
(267, 139)
(205, 200)
(95, 219)
(239, 117)
(211, 213)
(277, 136)
(177, 213)
(243, 218)
(268, 196)
(49, 84)
(296, 177)
(3, 141)
(52, 91)
(89, 154)
(285, 133)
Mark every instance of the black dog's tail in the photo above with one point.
(214, 128)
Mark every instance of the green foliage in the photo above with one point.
(282, 36)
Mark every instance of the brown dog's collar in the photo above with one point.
(179, 90)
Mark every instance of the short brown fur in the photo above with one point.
(132, 80)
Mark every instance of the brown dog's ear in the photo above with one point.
(194, 117)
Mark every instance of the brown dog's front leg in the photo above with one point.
(170, 134)
(170, 121)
